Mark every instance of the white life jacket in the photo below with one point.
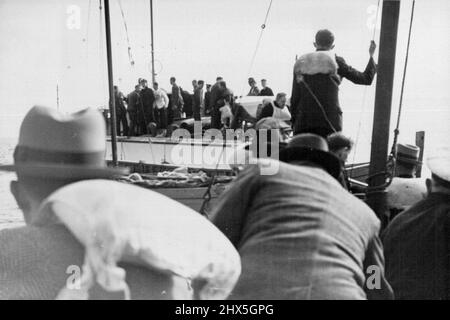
(404, 192)
(116, 222)
(282, 114)
(323, 62)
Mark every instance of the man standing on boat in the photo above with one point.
(254, 91)
(134, 111)
(176, 100)
(159, 111)
(315, 88)
(216, 95)
(265, 91)
(121, 113)
(198, 107)
(148, 99)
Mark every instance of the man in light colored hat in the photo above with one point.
(405, 189)
(64, 184)
(417, 242)
(299, 233)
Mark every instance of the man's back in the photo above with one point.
(417, 247)
(35, 261)
(322, 73)
(133, 100)
(300, 236)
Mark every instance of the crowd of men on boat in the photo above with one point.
(151, 110)
(298, 232)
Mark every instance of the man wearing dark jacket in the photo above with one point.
(265, 91)
(315, 89)
(135, 111)
(216, 95)
(417, 242)
(198, 101)
(121, 113)
(148, 99)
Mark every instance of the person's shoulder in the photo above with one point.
(17, 241)
(339, 59)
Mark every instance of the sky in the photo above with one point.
(60, 43)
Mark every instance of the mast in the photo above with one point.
(112, 104)
(152, 41)
(383, 103)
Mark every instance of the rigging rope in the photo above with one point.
(358, 132)
(87, 29)
(130, 54)
(396, 131)
(207, 194)
(258, 42)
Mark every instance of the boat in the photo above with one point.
(152, 155)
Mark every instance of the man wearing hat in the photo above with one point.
(36, 261)
(417, 242)
(299, 233)
(405, 189)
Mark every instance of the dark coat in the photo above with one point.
(120, 106)
(417, 247)
(266, 92)
(148, 99)
(207, 102)
(187, 99)
(196, 103)
(306, 113)
(217, 94)
(134, 103)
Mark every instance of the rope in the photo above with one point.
(358, 132)
(258, 42)
(130, 54)
(207, 194)
(396, 131)
(87, 29)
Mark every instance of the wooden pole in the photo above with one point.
(112, 104)
(152, 42)
(420, 142)
(383, 101)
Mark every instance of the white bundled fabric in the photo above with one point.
(120, 222)
(316, 62)
(404, 192)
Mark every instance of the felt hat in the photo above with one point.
(59, 146)
(314, 148)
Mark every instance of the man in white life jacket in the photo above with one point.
(315, 89)
(276, 109)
